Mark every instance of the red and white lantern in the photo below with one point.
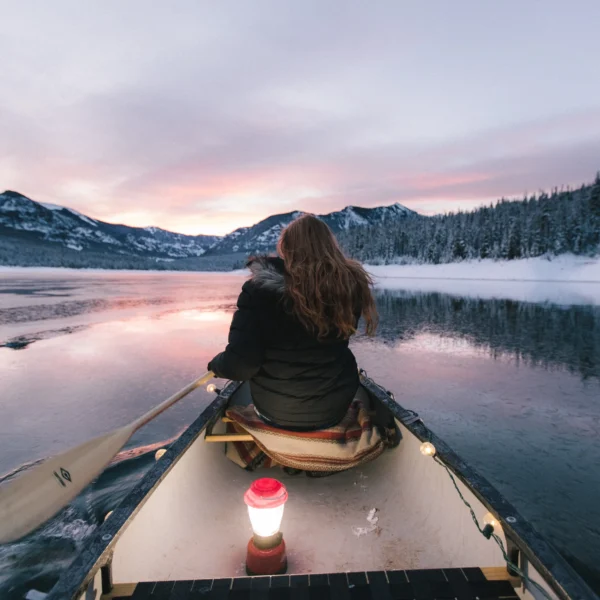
(266, 499)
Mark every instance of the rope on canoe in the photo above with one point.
(498, 541)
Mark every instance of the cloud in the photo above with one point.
(202, 117)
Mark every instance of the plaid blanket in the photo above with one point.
(352, 442)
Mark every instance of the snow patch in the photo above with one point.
(563, 280)
(565, 267)
(56, 207)
(352, 218)
(399, 208)
(106, 238)
(51, 206)
(83, 217)
(372, 519)
(371, 516)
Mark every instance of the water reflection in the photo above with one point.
(539, 335)
(64, 389)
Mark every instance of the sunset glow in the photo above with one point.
(214, 116)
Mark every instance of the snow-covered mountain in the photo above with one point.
(25, 218)
(263, 236)
(48, 234)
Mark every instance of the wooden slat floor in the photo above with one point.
(430, 584)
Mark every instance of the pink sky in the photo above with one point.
(203, 117)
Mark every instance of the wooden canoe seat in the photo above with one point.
(226, 437)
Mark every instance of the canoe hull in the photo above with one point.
(186, 520)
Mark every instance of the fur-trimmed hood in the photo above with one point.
(268, 272)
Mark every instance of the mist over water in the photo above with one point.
(513, 386)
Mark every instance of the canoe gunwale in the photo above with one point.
(75, 580)
(554, 569)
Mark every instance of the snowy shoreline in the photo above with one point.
(563, 280)
(563, 268)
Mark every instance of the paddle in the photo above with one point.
(41, 492)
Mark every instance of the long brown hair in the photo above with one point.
(326, 289)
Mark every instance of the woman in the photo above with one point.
(289, 335)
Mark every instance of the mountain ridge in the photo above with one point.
(55, 224)
(26, 223)
(262, 236)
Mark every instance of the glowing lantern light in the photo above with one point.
(265, 500)
(427, 449)
(211, 387)
(266, 550)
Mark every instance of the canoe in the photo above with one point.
(405, 526)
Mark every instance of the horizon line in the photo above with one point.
(525, 195)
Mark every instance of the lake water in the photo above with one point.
(512, 385)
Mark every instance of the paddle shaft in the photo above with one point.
(157, 410)
(39, 493)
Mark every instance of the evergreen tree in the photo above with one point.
(595, 197)
(565, 221)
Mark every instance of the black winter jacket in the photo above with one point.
(296, 381)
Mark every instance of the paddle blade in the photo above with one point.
(34, 497)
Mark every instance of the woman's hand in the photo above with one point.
(212, 367)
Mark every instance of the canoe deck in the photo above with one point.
(398, 512)
(395, 513)
(430, 584)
